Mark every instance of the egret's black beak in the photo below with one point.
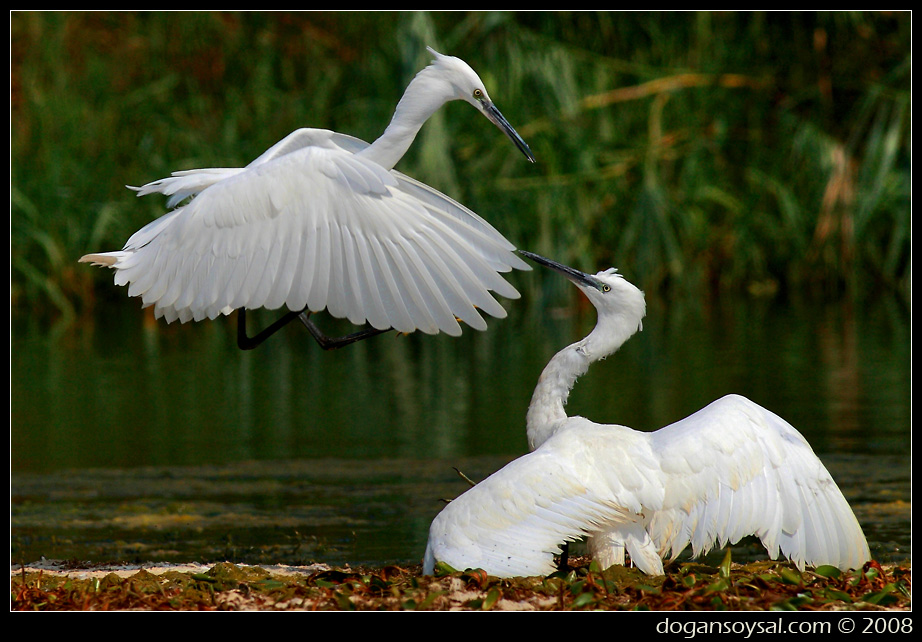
(577, 277)
(491, 112)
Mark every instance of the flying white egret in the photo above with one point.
(321, 220)
(730, 470)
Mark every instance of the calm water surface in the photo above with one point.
(141, 441)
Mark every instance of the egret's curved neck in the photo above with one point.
(546, 411)
(424, 95)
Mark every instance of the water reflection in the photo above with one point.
(135, 395)
(140, 395)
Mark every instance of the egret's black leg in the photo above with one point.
(332, 344)
(248, 343)
(564, 560)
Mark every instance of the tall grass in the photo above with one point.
(695, 151)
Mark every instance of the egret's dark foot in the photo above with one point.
(328, 343)
(245, 342)
(563, 562)
(248, 343)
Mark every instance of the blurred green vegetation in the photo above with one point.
(698, 152)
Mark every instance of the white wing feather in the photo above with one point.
(730, 470)
(513, 522)
(736, 469)
(309, 224)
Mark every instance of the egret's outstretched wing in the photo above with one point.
(513, 522)
(734, 469)
(502, 260)
(185, 183)
(309, 224)
(730, 470)
(189, 182)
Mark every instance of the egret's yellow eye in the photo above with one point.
(478, 94)
(606, 287)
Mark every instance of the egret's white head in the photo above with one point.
(620, 305)
(466, 85)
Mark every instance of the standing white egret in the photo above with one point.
(321, 220)
(730, 470)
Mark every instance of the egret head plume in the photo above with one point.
(468, 86)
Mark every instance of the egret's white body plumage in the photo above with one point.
(730, 470)
(322, 221)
